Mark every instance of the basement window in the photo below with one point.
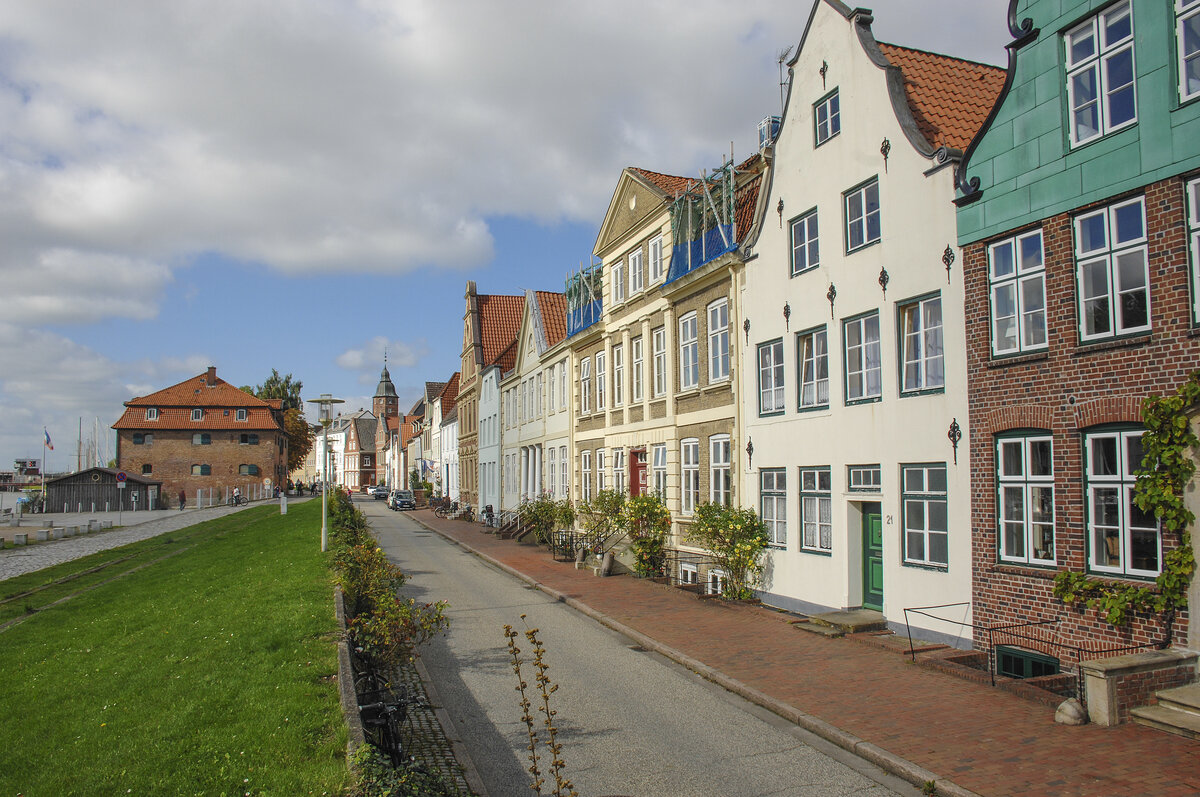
(1018, 663)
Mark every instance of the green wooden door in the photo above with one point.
(872, 529)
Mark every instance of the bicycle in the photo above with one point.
(445, 509)
(382, 718)
(237, 500)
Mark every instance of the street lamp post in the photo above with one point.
(325, 403)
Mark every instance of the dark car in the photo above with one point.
(402, 499)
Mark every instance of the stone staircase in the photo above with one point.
(1177, 711)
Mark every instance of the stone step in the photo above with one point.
(1182, 698)
(853, 621)
(1165, 718)
(829, 631)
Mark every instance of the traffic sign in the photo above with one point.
(121, 476)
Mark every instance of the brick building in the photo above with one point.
(1078, 218)
(204, 434)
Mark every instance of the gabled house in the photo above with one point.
(445, 423)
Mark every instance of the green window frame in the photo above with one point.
(812, 354)
(1014, 662)
(861, 210)
(816, 510)
(862, 357)
(806, 249)
(925, 514)
(772, 504)
(827, 118)
(922, 355)
(771, 387)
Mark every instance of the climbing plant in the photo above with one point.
(1167, 467)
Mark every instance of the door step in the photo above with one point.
(1177, 712)
(851, 621)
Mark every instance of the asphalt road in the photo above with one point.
(631, 722)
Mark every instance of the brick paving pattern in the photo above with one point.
(980, 738)
(424, 738)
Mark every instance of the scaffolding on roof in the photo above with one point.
(585, 292)
(704, 220)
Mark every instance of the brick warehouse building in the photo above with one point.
(1078, 219)
(203, 434)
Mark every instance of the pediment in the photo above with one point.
(635, 203)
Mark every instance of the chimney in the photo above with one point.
(211, 378)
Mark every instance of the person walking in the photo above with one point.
(182, 500)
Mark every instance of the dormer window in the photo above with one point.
(152, 413)
(197, 414)
(241, 415)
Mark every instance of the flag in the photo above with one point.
(49, 445)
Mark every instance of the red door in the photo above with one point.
(637, 471)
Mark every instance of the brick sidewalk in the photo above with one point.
(979, 738)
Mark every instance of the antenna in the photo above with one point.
(783, 56)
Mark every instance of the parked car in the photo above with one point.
(402, 499)
(378, 491)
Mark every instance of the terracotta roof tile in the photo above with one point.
(449, 395)
(950, 98)
(196, 392)
(499, 323)
(554, 315)
(220, 402)
(176, 418)
(669, 184)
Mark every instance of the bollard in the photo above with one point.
(43, 535)
(69, 531)
(47, 524)
(20, 539)
(93, 525)
(56, 534)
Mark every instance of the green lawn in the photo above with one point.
(210, 671)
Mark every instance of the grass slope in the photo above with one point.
(212, 671)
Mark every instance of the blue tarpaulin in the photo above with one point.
(688, 256)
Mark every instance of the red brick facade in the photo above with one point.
(1067, 389)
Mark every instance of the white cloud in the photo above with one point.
(368, 358)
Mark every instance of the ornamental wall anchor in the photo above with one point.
(831, 294)
(954, 435)
(746, 329)
(884, 279)
(948, 260)
(787, 315)
(884, 149)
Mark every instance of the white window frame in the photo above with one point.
(562, 384)
(152, 413)
(618, 361)
(239, 415)
(689, 351)
(636, 272)
(772, 504)
(1187, 13)
(863, 359)
(618, 278)
(812, 348)
(816, 509)
(618, 469)
(1105, 259)
(716, 581)
(585, 471)
(1096, 64)
(637, 357)
(550, 380)
(540, 397)
(659, 469)
(1025, 530)
(601, 381)
(585, 385)
(923, 356)
(806, 248)
(771, 380)
(860, 218)
(1120, 526)
(197, 414)
(1017, 277)
(659, 339)
(827, 118)
(689, 574)
(923, 509)
(718, 341)
(720, 490)
(601, 474)
(657, 272)
(564, 476)
(864, 478)
(689, 474)
(1193, 215)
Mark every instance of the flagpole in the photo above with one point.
(45, 435)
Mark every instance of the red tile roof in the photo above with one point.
(219, 401)
(950, 98)
(449, 395)
(669, 184)
(499, 323)
(554, 315)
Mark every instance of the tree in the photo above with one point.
(736, 539)
(299, 433)
(281, 387)
(300, 437)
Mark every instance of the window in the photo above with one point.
(805, 251)
(1101, 74)
(716, 582)
(718, 469)
(718, 340)
(659, 466)
(539, 395)
(688, 573)
(660, 361)
(926, 534)
(924, 366)
(562, 384)
(197, 415)
(635, 271)
(827, 117)
(813, 349)
(816, 510)
(638, 369)
(1014, 662)
(201, 470)
(618, 278)
(201, 439)
(689, 352)
(772, 496)
(601, 475)
(246, 439)
(862, 215)
(550, 393)
(152, 413)
(240, 415)
(1189, 49)
(619, 470)
(656, 258)
(585, 467)
(1123, 539)
(1017, 272)
(618, 353)
(864, 478)
(585, 385)
(562, 457)
(1193, 207)
(552, 462)
(247, 470)
(863, 371)
(1025, 472)
(689, 471)
(601, 381)
(147, 469)
(1113, 277)
(770, 377)
(143, 439)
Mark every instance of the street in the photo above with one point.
(631, 722)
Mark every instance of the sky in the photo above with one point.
(251, 184)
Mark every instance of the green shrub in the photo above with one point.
(736, 539)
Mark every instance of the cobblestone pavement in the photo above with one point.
(424, 738)
(137, 526)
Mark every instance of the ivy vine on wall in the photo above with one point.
(1167, 467)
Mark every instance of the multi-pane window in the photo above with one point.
(862, 215)
(202, 439)
(1025, 472)
(601, 474)
(585, 470)
(552, 467)
(689, 474)
(240, 415)
(636, 271)
(813, 350)
(618, 353)
(197, 415)
(688, 573)
(659, 467)
(585, 385)
(772, 493)
(864, 478)
(827, 117)
(718, 340)
(718, 469)
(564, 483)
(716, 582)
(1113, 274)
(142, 439)
(924, 366)
(656, 258)
(201, 470)
(618, 278)
(618, 466)
(152, 413)
(806, 253)
(660, 361)
(562, 384)
(816, 510)
(1017, 272)
(147, 469)
(550, 393)
(247, 470)
(1193, 205)
(638, 364)
(689, 352)
(770, 377)
(539, 397)
(1189, 48)
(1122, 538)
(863, 369)
(926, 533)
(1101, 74)
(601, 380)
